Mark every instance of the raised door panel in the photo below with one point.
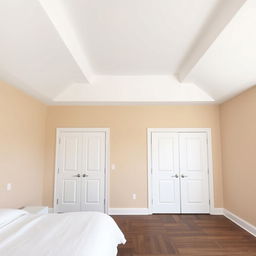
(71, 152)
(69, 195)
(165, 154)
(93, 191)
(93, 198)
(194, 191)
(93, 160)
(165, 182)
(166, 191)
(194, 173)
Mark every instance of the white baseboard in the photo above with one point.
(217, 211)
(128, 211)
(145, 211)
(240, 222)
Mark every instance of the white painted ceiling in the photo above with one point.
(128, 51)
(32, 55)
(131, 37)
(229, 65)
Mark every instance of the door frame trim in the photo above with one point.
(107, 161)
(208, 133)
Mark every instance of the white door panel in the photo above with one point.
(92, 191)
(71, 157)
(93, 187)
(166, 194)
(179, 172)
(194, 173)
(69, 195)
(70, 160)
(165, 173)
(81, 171)
(94, 143)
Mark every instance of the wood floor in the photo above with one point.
(169, 235)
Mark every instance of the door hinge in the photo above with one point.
(57, 201)
(104, 201)
(58, 170)
(209, 201)
(59, 140)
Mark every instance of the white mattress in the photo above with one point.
(69, 234)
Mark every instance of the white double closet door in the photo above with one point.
(180, 182)
(80, 181)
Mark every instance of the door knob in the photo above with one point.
(183, 176)
(175, 176)
(78, 175)
(85, 175)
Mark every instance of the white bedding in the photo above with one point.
(69, 234)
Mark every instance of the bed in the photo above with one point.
(76, 234)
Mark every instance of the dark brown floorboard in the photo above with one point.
(169, 235)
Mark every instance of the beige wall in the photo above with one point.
(27, 148)
(128, 139)
(238, 126)
(22, 143)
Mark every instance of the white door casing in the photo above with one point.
(81, 170)
(165, 173)
(194, 167)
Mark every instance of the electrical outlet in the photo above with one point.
(113, 166)
(134, 196)
(9, 186)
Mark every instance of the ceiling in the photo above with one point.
(128, 51)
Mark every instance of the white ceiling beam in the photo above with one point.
(220, 18)
(133, 89)
(63, 25)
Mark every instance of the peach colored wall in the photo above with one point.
(238, 127)
(22, 136)
(128, 142)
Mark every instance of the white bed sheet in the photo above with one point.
(69, 234)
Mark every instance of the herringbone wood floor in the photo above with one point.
(169, 235)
